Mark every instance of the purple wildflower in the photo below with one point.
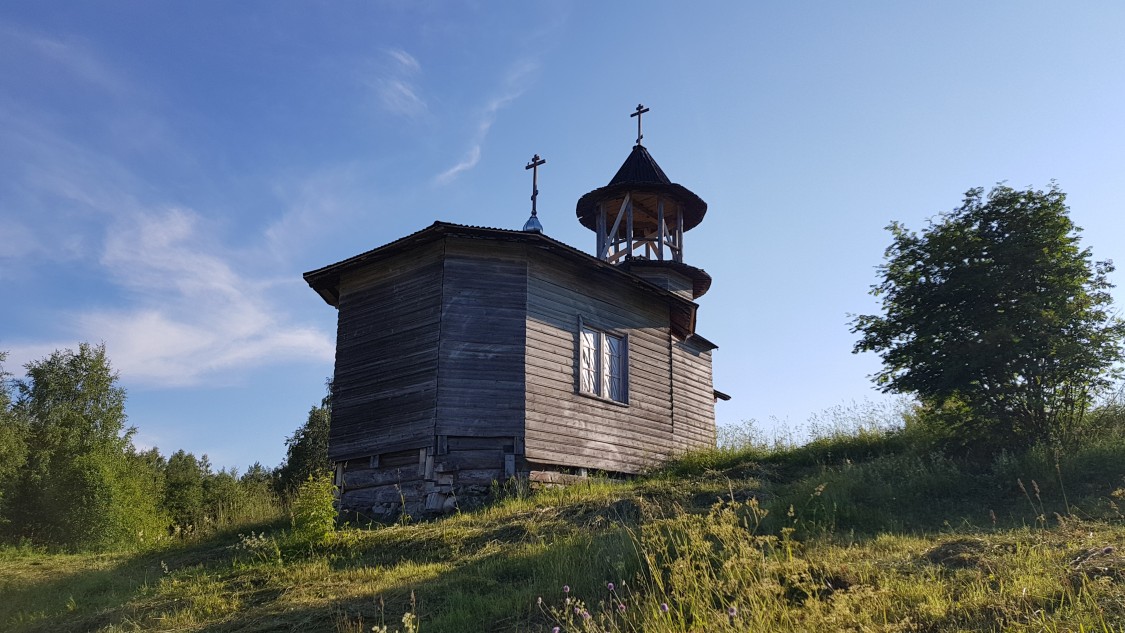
(664, 607)
(566, 588)
(733, 611)
(585, 615)
(555, 630)
(609, 585)
(621, 607)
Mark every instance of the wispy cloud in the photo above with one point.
(395, 86)
(316, 205)
(69, 57)
(194, 315)
(514, 85)
(406, 61)
(191, 318)
(180, 306)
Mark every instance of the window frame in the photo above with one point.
(599, 376)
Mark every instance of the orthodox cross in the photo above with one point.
(640, 110)
(534, 167)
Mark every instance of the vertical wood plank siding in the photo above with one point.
(385, 386)
(566, 428)
(480, 361)
(693, 397)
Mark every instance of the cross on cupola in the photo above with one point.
(533, 225)
(640, 110)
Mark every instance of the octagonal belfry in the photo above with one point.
(640, 219)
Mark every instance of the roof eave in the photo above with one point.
(325, 281)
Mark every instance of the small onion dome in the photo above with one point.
(533, 225)
(640, 176)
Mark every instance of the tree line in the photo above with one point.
(71, 476)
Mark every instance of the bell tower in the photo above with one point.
(640, 219)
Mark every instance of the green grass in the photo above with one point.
(854, 531)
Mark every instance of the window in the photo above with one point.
(602, 364)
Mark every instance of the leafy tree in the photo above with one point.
(995, 309)
(257, 476)
(223, 496)
(183, 490)
(13, 439)
(306, 450)
(83, 484)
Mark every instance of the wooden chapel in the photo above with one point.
(467, 355)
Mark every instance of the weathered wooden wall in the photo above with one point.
(567, 428)
(429, 388)
(384, 392)
(693, 396)
(457, 365)
(480, 359)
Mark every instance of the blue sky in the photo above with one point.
(168, 171)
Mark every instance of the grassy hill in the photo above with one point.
(855, 531)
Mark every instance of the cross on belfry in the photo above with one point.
(640, 110)
(534, 167)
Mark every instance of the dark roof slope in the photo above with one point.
(640, 167)
(640, 174)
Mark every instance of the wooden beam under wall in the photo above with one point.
(660, 227)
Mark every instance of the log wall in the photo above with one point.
(384, 392)
(693, 396)
(571, 429)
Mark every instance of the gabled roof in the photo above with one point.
(326, 281)
(640, 174)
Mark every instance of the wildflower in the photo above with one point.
(540, 601)
(555, 630)
(664, 607)
(585, 615)
(609, 585)
(577, 610)
(732, 611)
(566, 588)
(621, 607)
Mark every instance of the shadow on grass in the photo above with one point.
(462, 577)
(69, 599)
(492, 589)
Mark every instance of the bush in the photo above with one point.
(314, 510)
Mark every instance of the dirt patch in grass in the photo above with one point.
(964, 553)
